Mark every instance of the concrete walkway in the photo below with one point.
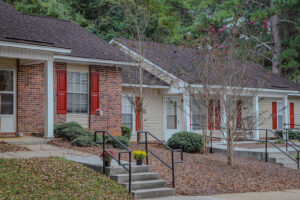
(280, 195)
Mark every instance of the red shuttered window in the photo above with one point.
(274, 115)
(94, 94)
(138, 122)
(217, 115)
(292, 119)
(61, 92)
(239, 114)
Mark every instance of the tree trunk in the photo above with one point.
(276, 51)
(229, 140)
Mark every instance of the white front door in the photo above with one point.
(7, 100)
(171, 116)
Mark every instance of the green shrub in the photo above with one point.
(126, 132)
(69, 131)
(115, 144)
(187, 141)
(293, 135)
(83, 141)
(279, 141)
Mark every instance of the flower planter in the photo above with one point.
(107, 163)
(139, 162)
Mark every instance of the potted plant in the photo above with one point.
(139, 156)
(107, 158)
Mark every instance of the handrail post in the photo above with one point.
(103, 139)
(298, 159)
(146, 141)
(173, 170)
(266, 147)
(129, 172)
(286, 140)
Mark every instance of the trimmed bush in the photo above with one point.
(115, 144)
(69, 131)
(126, 132)
(187, 141)
(83, 141)
(293, 135)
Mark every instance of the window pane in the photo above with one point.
(6, 80)
(280, 121)
(77, 87)
(7, 104)
(76, 77)
(127, 120)
(196, 122)
(171, 122)
(70, 76)
(171, 108)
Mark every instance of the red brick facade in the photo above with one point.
(110, 90)
(30, 98)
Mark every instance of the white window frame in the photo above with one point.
(282, 114)
(88, 94)
(192, 114)
(133, 113)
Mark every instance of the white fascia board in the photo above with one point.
(148, 61)
(145, 86)
(296, 95)
(258, 89)
(35, 47)
(91, 60)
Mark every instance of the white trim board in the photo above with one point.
(147, 61)
(145, 86)
(81, 60)
(34, 47)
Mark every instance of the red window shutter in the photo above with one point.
(292, 119)
(218, 116)
(274, 114)
(138, 122)
(239, 114)
(94, 94)
(211, 115)
(61, 91)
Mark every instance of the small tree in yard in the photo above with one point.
(224, 81)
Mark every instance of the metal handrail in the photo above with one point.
(297, 161)
(172, 166)
(104, 132)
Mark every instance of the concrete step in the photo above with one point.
(282, 160)
(153, 193)
(147, 184)
(123, 178)
(120, 170)
(289, 165)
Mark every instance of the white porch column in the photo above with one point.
(224, 120)
(49, 109)
(256, 115)
(285, 112)
(187, 111)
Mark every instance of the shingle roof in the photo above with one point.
(179, 61)
(47, 31)
(130, 75)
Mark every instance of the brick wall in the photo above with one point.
(110, 99)
(58, 118)
(30, 98)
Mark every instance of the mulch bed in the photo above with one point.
(209, 174)
(5, 147)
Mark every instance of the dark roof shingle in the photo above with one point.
(47, 31)
(180, 61)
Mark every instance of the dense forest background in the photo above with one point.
(180, 22)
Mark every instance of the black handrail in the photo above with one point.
(297, 161)
(104, 132)
(172, 166)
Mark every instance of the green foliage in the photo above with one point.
(83, 141)
(279, 141)
(293, 135)
(187, 141)
(115, 144)
(69, 131)
(126, 132)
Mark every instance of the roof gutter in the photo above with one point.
(91, 60)
(145, 86)
(34, 47)
(258, 89)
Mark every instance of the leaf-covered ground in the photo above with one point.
(5, 147)
(209, 174)
(54, 178)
